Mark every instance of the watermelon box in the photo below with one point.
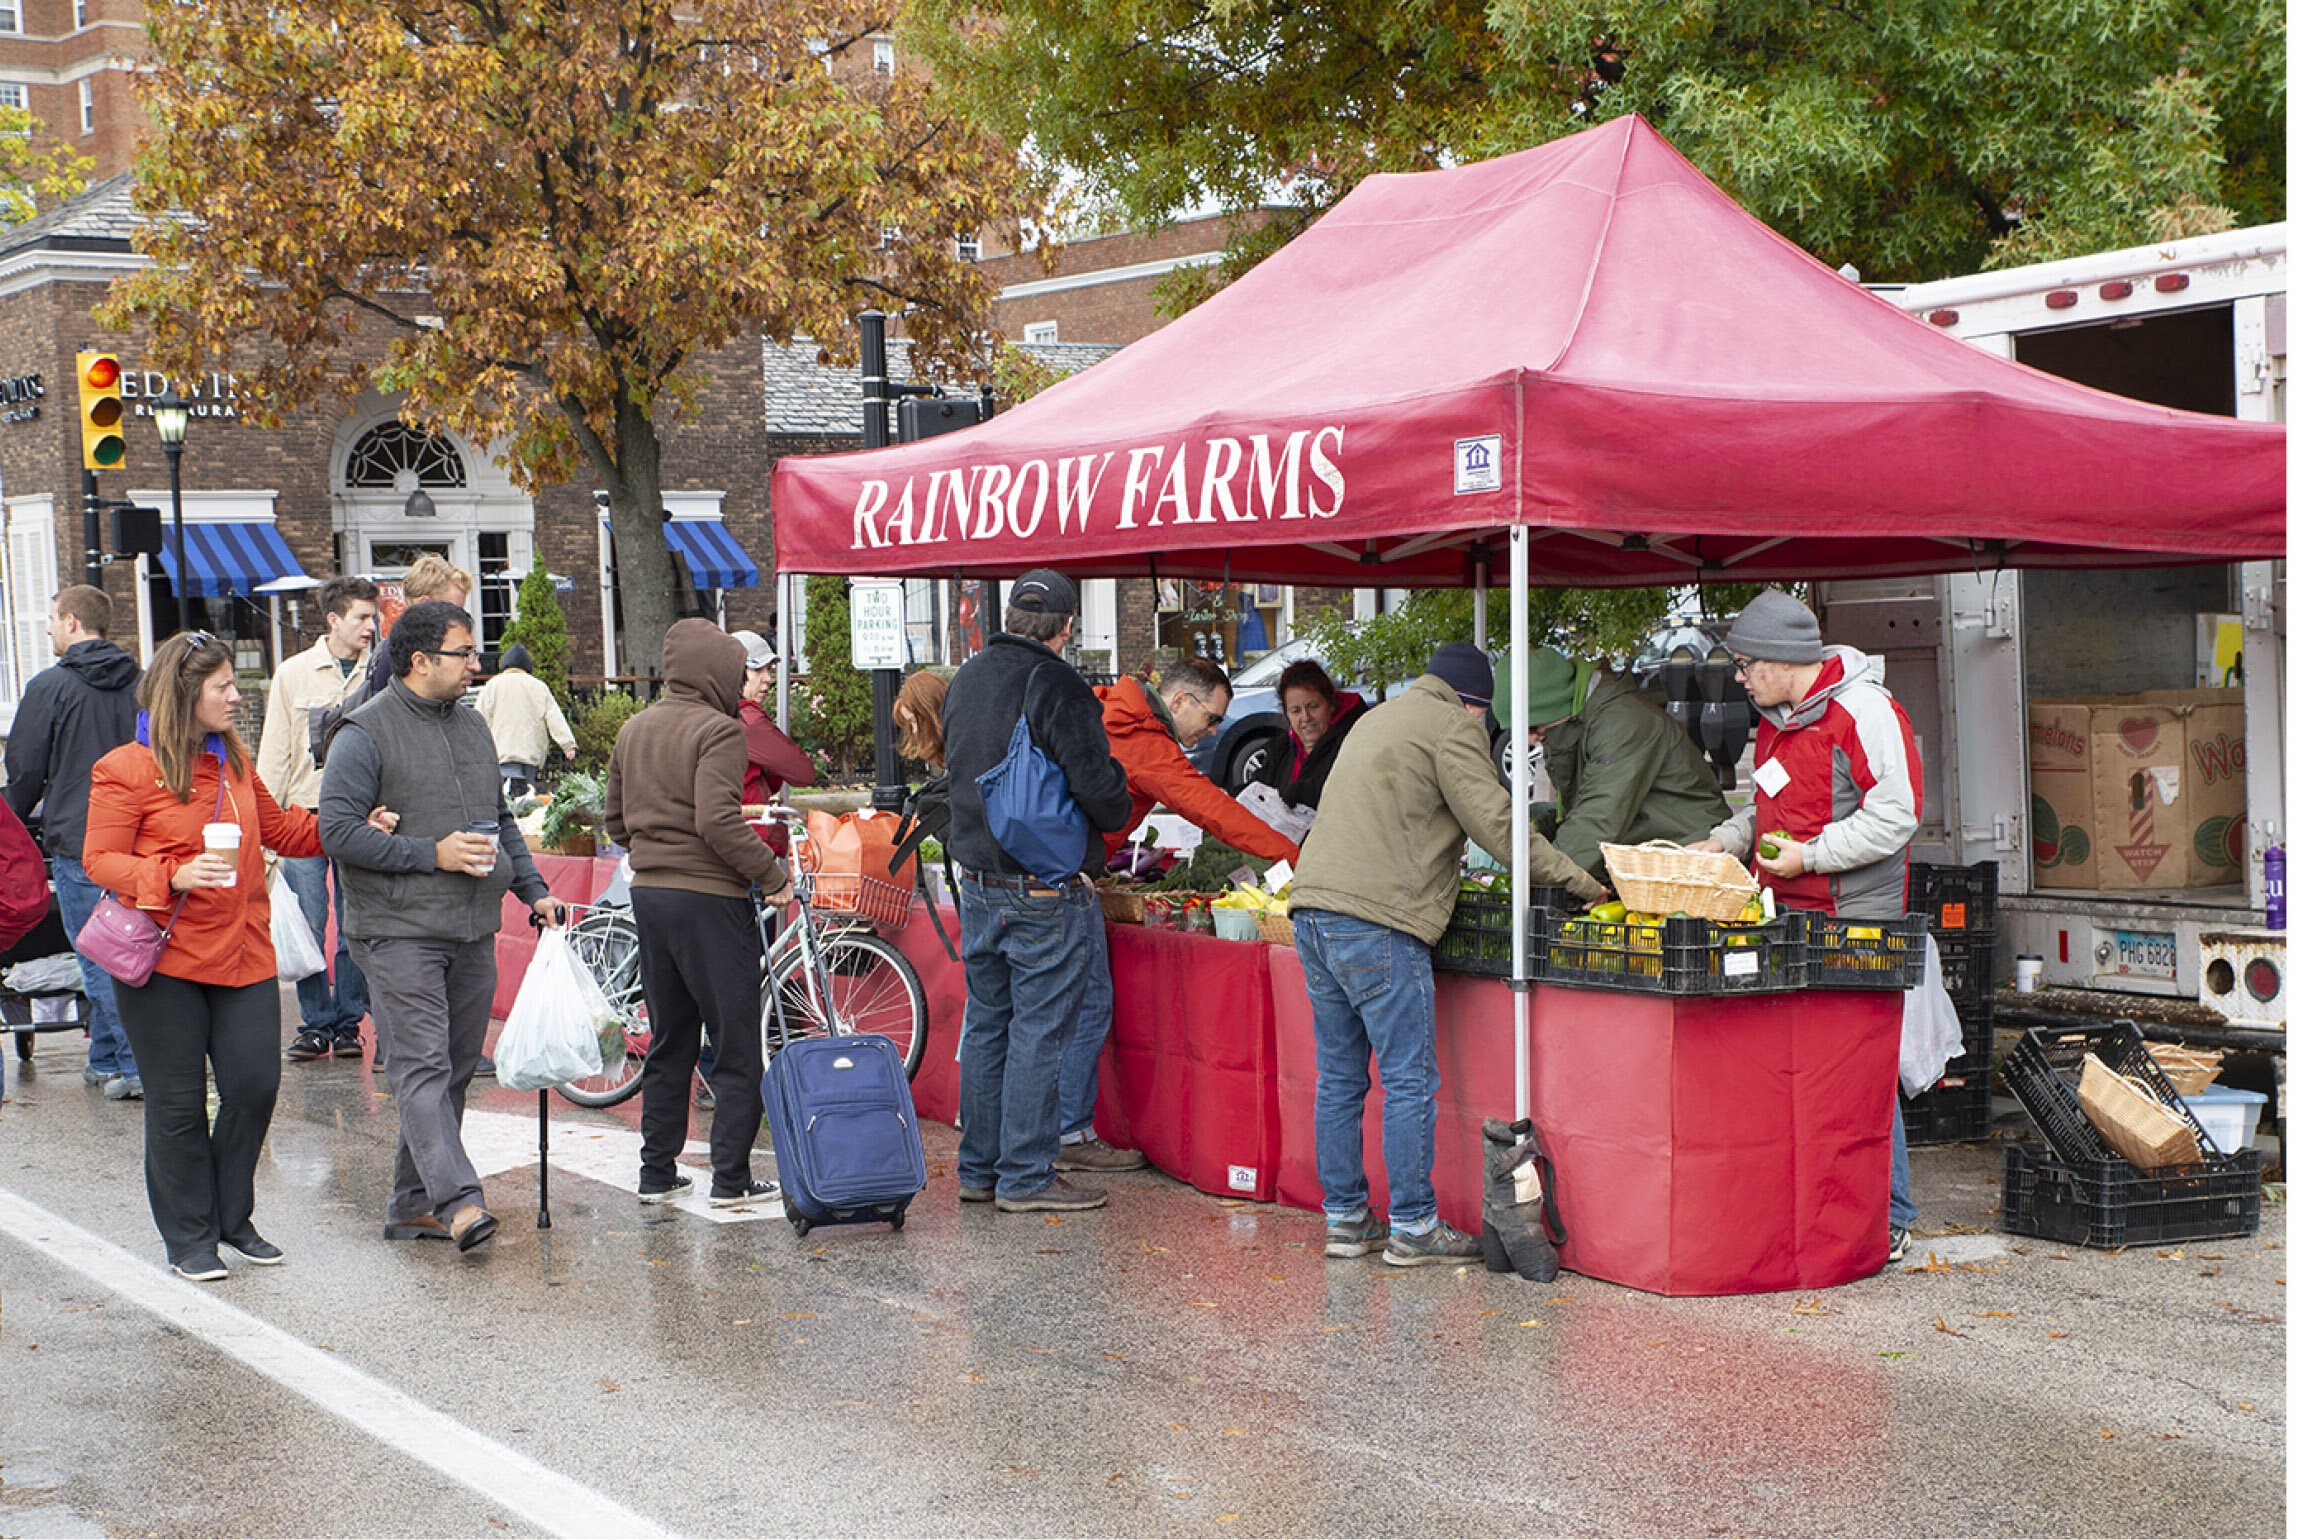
(2138, 791)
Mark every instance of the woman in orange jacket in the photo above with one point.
(213, 997)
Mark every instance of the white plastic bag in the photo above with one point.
(292, 941)
(1930, 1032)
(553, 1034)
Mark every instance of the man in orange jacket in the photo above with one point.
(1149, 732)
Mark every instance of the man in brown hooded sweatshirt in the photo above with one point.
(675, 799)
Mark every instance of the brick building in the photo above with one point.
(343, 485)
(70, 63)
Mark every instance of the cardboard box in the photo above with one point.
(2138, 791)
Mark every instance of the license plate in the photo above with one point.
(2147, 954)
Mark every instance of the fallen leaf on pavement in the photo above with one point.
(1811, 1306)
(2056, 1334)
(1116, 1357)
(2172, 1256)
(1024, 1471)
(2104, 1433)
(1226, 1518)
(1233, 1432)
(1529, 1323)
(2208, 1272)
(1940, 1324)
(798, 1315)
(1054, 1219)
(1336, 1328)
(1996, 1315)
(1204, 1304)
(742, 1320)
(609, 1386)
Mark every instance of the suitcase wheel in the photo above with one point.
(897, 1217)
(801, 1223)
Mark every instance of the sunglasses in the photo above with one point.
(1213, 718)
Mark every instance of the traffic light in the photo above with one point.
(102, 443)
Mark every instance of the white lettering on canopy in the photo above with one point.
(1234, 481)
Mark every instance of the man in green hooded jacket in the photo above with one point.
(1624, 772)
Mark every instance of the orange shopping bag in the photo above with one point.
(852, 858)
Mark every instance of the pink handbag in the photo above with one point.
(123, 940)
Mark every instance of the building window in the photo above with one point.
(392, 447)
(88, 104)
(1042, 331)
(889, 237)
(882, 56)
(79, 14)
(922, 619)
(819, 47)
(12, 20)
(970, 248)
(495, 586)
(14, 95)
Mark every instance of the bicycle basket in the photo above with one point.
(885, 904)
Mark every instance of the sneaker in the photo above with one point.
(94, 1076)
(1356, 1237)
(680, 1185)
(1094, 1155)
(200, 1267)
(124, 1088)
(704, 1096)
(258, 1250)
(309, 1046)
(486, 1067)
(347, 1049)
(1443, 1244)
(1056, 1197)
(1896, 1243)
(745, 1195)
(968, 1194)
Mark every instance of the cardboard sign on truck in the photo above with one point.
(2138, 791)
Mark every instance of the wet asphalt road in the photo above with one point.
(1176, 1364)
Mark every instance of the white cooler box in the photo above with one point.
(2229, 1115)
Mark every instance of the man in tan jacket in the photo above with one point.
(523, 714)
(1372, 894)
(324, 674)
(675, 800)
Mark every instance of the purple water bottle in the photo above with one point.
(2272, 864)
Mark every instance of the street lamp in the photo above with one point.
(172, 414)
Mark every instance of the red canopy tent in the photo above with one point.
(1586, 340)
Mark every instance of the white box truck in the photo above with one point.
(2197, 324)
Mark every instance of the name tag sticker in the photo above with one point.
(1740, 965)
(1770, 778)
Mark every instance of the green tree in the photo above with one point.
(831, 708)
(541, 627)
(34, 176)
(1912, 138)
(554, 210)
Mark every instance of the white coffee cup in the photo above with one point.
(223, 839)
(2028, 972)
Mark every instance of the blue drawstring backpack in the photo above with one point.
(1027, 803)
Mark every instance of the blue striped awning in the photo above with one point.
(227, 558)
(715, 558)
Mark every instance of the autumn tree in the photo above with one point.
(1911, 138)
(34, 176)
(552, 209)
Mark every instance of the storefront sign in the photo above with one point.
(875, 627)
(211, 395)
(20, 398)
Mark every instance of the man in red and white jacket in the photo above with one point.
(1838, 775)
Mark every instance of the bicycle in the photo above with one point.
(817, 980)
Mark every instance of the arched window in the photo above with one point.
(392, 448)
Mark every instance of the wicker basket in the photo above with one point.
(1658, 877)
(1121, 907)
(2189, 1069)
(1277, 929)
(2136, 1125)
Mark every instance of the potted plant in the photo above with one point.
(578, 807)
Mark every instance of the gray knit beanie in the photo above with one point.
(1467, 669)
(1776, 628)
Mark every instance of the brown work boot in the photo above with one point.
(1057, 1196)
(1094, 1155)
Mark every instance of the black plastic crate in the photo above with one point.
(1679, 956)
(2106, 1203)
(1956, 1111)
(1844, 953)
(1476, 939)
(1767, 957)
(2043, 1069)
(1954, 899)
(1968, 967)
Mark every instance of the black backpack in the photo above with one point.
(925, 816)
(324, 721)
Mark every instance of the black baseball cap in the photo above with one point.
(1044, 591)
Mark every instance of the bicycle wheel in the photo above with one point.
(873, 988)
(607, 942)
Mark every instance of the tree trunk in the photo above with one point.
(644, 575)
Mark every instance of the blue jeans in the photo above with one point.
(1081, 1060)
(76, 899)
(1026, 966)
(330, 1010)
(1371, 992)
(1900, 1208)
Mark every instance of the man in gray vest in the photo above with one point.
(422, 904)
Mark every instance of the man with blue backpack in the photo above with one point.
(1033, 786)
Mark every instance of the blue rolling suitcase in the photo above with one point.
(846, 1133)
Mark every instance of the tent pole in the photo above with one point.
(1477, 595)
(1520, 826)
(783, 652)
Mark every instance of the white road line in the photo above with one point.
(606, 1152)
(494, 1471)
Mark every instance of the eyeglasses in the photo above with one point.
(449, 652)
(1742, 665)
(1213, 717)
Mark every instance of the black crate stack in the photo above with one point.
(1959, 907)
